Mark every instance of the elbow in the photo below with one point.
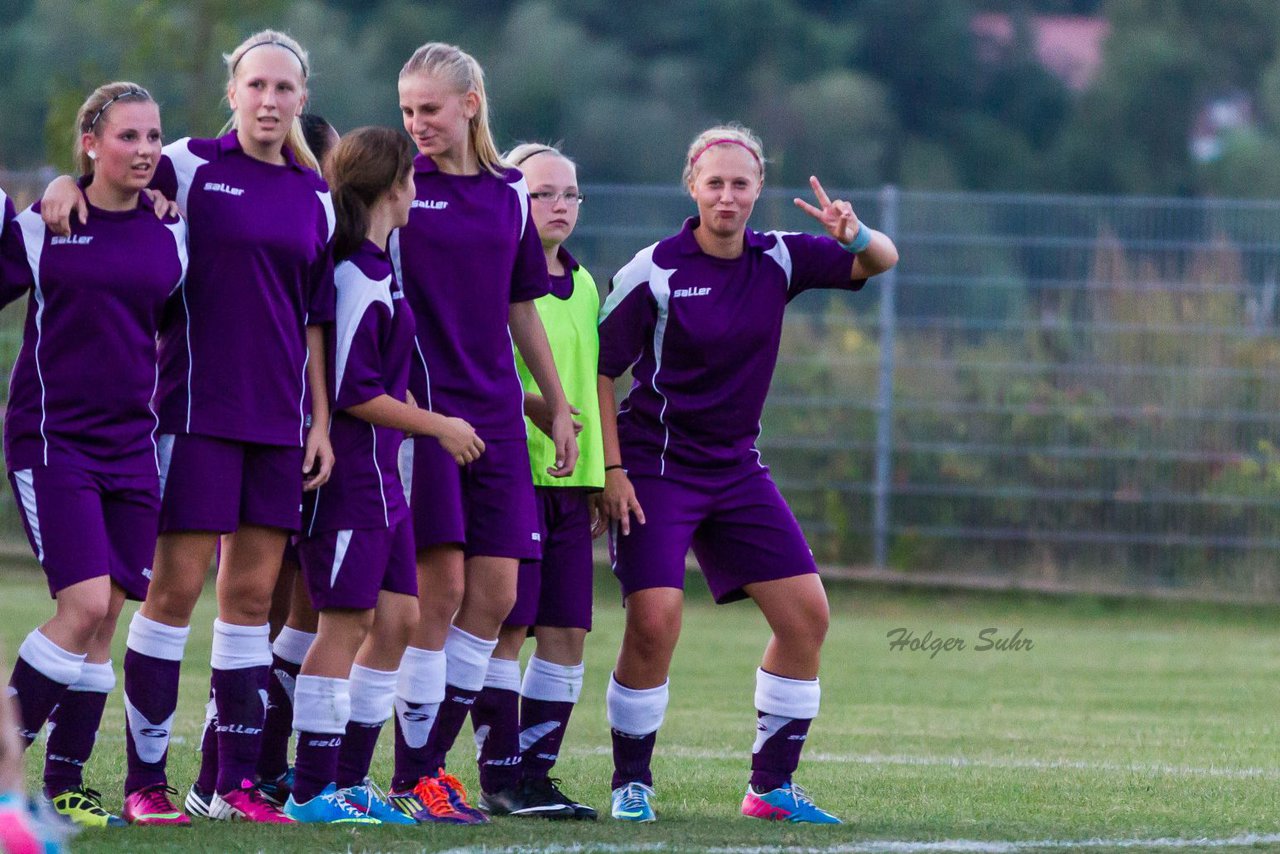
(884, 259)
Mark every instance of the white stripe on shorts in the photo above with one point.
(340, 547)
(164, 457)
(27, 492)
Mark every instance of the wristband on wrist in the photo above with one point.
(612, 467)
(860, 241)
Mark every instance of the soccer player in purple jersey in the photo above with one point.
(237, 358)
(698, 318)
(553, 601)
(471, 264)
(357, 550)
(79, 431)
(293, 628)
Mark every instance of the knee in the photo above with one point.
(86, 619)
(651, 630)
(442, 599)
(807, 626)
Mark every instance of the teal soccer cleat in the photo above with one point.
(786, 803)
(632, 803)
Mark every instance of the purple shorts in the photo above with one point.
(556, 591)
(741, 532)
(348, 569)
(210, 484)
(83, 524)
(487, 507)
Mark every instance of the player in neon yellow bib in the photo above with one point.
(520, 723)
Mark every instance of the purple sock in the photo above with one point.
(496, 717)
(452, 715)
(635, 715)
(357, 753)
(151, 669)
(632, 755)
(784, 710)
(547, 697)
(278, 725)
(321, 714)
(317, 764)
(74, 728)
(542, 727)
(777, 749)
(412, 762)
(207, 779)
(40, 677)
(241, 665)
(416, 697)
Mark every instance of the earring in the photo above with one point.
(93, 155)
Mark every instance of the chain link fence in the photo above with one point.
(1053, 391)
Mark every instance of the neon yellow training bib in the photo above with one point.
(575, 346)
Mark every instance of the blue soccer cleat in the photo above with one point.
(369, 799)
(786, 803)
(632, 803)
(328, 807)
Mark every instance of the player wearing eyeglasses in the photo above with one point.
(553, 602)
(698, 319)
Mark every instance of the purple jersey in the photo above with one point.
(703, 334)
(373, 348)
(81, 389)
(233, 356)
(469, 251)
(6, 212)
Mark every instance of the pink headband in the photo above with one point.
(726, 141)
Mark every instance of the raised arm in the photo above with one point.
(873, 251)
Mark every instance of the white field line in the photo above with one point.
(873, 759)
(888, 846)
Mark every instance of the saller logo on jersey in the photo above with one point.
(690, 292)
(218, 187)
(74, 240)
(429, 204)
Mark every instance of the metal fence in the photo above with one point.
(1056, 390)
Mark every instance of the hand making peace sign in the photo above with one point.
(836, 217)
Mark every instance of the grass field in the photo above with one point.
(1124, 725)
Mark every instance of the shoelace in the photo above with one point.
(447, 779)
(92, 799)
(375, 791)
(257, 798)
(432, 795)
(633, 797)
(156, 798)
(341, 803)
(549, 788)
(800, 796)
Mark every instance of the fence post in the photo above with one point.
(886, 282)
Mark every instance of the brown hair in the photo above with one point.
(90, 116)
(296, 140)
(364, 165)
(436, 59)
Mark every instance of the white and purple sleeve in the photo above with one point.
(363, 310)
(529, 279)
(16, 276)
(812, 262)
(321, 299)
(628, 316)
